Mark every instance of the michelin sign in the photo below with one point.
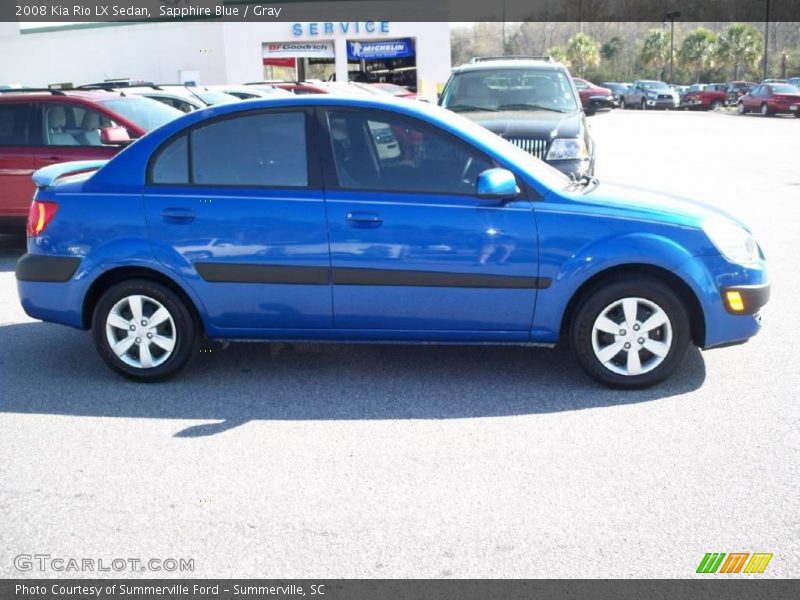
(380, 49)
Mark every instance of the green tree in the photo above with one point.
(698, 50)
(655, 50)
(740, 47)
(611, 50)
(558, 54)
(582, 52)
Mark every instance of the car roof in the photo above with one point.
(511, 63)
(55, 95)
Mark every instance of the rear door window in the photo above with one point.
(261, 150)
(73, 125)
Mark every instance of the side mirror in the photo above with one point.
(114, 136)
(497, 184)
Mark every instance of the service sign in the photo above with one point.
(298, 49)
(380, 49)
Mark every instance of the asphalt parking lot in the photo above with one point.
(370, 461)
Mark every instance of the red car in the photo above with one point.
(711, 97)
(593, 97)
(44, 127)
(770, 99)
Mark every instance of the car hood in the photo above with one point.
(625, 201)
(529, 123)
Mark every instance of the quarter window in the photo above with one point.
(14, 124)
(267, 149)
(172, 163)
(392, 154)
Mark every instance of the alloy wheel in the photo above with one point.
(632, 336)
(141, 331)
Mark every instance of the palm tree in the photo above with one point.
(740, 46)
(655, 50)
(557, 54)
(582, 52)
(698, 50)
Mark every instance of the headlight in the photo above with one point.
(567, 148)
(733, 242)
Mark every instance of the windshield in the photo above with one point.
(510, 89)
(143, 112)
(784, 88)
(654, 85)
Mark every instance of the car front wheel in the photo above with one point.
(630, 333)
(740, 108)
(144, 331)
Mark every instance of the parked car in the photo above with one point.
(617, 89)
(645, 93)
(774, 81)
(250, 92)
(183, 100)
(737, 89)
(795, 81)
(398, 91)
(771, 99)
(465, 239)
(593, 97)
(298, 88)
(711, 97)
(43, 127)
(531, 103)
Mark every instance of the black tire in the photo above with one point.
(644, 104)
(765, 111)
(716, 105)
(605, 294)
(740, 108)
(622, 104)
(182, 328)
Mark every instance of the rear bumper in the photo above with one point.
(44, 268)
(52, 288)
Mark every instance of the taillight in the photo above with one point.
(39, 216)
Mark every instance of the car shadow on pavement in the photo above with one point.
(11, 248)
(49, 369)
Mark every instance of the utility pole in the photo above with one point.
(671, 16)
(766, 40)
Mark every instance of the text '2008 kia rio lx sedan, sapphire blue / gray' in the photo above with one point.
(366, 220)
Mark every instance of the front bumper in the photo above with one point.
(710, 277)
(745, 299)
(663, 103)
(576, 167)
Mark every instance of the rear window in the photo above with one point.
(783, 88)
(14, 124)
(143, 112)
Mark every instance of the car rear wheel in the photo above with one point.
(765, 112)
(716, 105)
(144, 331)
(630, 333)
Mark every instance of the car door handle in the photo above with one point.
(51, 160)
(364, 219)
(177, 215)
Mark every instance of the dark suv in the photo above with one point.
(43, 127)
(531, 102)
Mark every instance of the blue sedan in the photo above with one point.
(370, 220)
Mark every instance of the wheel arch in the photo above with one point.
(117, 275)
(678, 285)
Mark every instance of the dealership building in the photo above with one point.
(209, 52)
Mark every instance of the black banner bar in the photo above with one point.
(713, 588)
(400, 10)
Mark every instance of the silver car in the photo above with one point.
(648, 94)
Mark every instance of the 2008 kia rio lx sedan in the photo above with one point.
(356, 220)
